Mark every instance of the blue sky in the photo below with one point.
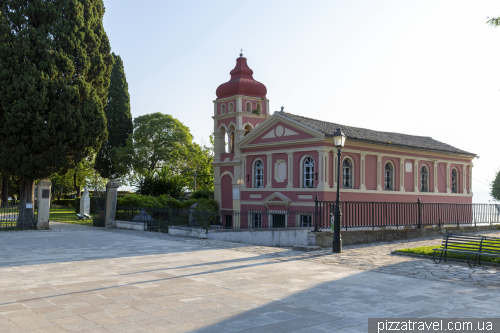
(417, 67)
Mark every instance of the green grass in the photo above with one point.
(428, 251)
(67, 215)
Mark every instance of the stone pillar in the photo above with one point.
(448, 189)
(43, 214)
(379, 173)
(85, 203)
(218, 145)
(244, 172)
(436, 177)
(290, 171)
(362, 173)
(401, 175)
(111, 196)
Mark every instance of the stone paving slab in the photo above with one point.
(83, 279)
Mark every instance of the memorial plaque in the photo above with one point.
(29, 205)
(45, 194)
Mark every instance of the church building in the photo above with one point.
(280, 161)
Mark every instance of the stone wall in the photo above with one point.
(352, 237)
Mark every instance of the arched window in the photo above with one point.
(223, 109)
(389, 177)
(454, 181)
(249, 107)
(308, 166)
(424, 179)
(231, 108)
(347, 173)
(258, 174)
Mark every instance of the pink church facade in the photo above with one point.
(283, 161)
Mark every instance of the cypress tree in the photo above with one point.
(119, 119)
(55, 64)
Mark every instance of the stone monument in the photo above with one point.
(43, 215)
(85, 203)
(111, 196)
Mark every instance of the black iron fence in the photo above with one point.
(401, 214)
(9, 217)
(159, 219)
(354, 215)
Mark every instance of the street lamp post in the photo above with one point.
(339, 141)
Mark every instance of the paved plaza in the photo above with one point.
(83, 279)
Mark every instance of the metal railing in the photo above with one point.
(9, 218)
(354, 215)
(401, 214)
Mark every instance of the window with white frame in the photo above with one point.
(258, 174)
(249, 107)
(454, 181)
(231, 107)
(223, 109)
(424, 179)
(389, 177)
(347, 173)
(308, 170)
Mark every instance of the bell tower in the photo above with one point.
(241, 105)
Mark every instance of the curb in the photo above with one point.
(404, 254)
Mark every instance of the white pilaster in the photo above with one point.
(436, 176)
(379, 172)
(244, 172)
(470, 178)
(334, 166)
(362, 173)
(416, 173)
(321, 178)
(464, 178)
(401, 175)
(269, 169)
(290, 171)
(448, 189)
(239, 104)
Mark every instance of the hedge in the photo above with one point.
(96, 203)
(146, 201)
(64, 202)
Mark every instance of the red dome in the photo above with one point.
(241, 83)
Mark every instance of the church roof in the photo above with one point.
(378, 137)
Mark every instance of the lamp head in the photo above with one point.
(339, 138)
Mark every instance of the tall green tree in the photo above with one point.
(119, 119)
(158, 140)
(495, 187)
(55, 65)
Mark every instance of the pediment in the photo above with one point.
(277, 198)
(279, 129)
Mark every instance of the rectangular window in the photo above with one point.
(305, 221)
(279, 220)
(257, 220)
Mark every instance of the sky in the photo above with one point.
(429, 68)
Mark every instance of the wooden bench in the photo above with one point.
(477, 246)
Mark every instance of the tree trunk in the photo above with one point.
(5, 191)
(77, 187)
(27, 195)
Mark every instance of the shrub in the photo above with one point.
(203, 194)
